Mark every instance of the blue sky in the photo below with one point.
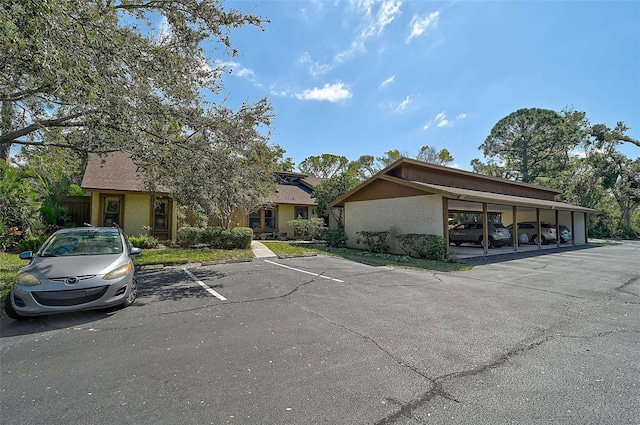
(362, 77)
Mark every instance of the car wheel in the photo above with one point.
(534, 239)
(457, 243)
(132, 294)
(11, 312)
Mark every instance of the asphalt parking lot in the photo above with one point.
(550, 339)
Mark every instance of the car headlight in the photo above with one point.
(119, 272)
(26, 279)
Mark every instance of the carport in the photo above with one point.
(411, 196)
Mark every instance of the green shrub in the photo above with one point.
(242, 237)
(626, 233)
(373, 241)
(143, 241)
(335, 237)
(188, 236)
(307, 229)
(215, 237)
(432, 247)
(31, 243)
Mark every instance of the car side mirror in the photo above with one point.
(26, 255)
(135, 251)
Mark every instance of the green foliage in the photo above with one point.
(429, 154)
(51, 214)
(432, 247)
(331, 189)
(307, 229)
(31, 243)
(627, 233)
(324, 166)
(215, 237)
(188, 236)
(335, 237)
(143, 241)
(18, 199)
(373, 241)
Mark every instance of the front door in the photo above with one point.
(112, 209)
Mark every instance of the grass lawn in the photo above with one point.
(183, 256)
(9, 266)
(292, 248)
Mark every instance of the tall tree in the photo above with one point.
(112, 75)
(430, 154)
(533, 143)
(331, 189)
(324, 166)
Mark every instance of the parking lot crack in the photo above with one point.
(627, 284)
(437, 390)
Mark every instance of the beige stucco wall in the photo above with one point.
(414, 214)
(285, 213)
(137, 213)
(95, 208)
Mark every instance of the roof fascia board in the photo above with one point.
(475, 175)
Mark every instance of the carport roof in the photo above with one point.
(457, 193)
(495, 198)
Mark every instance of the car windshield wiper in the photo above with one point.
(47, 255)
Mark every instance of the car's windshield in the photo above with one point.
(83, 243)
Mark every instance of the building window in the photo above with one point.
(111, 214)
(161, 215)
(302, 213)
(254, 220)
(270, 218)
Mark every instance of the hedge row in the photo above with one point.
(215, 237)
(432, 247)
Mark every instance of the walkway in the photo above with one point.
(261, 251)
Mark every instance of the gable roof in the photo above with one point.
(294, 189)
(408, 177)
(114, 171)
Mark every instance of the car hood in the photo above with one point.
(83, 265)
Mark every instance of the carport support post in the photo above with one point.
(485, 229)
(515, 228)
(573, 230)
(445, 224)
(557, 231)
(538, 221)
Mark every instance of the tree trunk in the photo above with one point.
(5, 127)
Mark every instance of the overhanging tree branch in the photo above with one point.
(58, 122)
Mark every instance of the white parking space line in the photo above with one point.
(304, 271)
(204, 285)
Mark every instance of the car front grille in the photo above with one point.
(69, 297)
(63, 279)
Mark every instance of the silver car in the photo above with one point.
(530, 228)
(80, 268)
(473, 233)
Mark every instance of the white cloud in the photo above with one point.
(456, 165)
(420, 25)
(373, 26)
(388, 81)
(329, 92)
(403, 105)
(316, 69)
(440, 120)
(462, 116)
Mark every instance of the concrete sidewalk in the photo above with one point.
(261, 251)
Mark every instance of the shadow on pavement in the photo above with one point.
(499, 258)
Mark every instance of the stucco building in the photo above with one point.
(411, 196)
